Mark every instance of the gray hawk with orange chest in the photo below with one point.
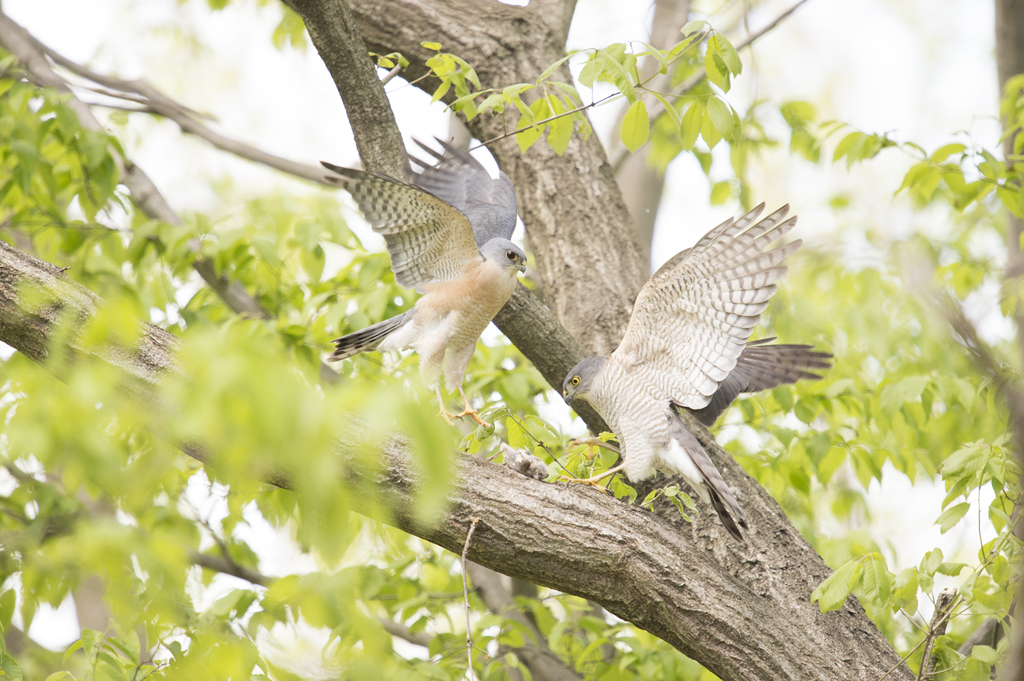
(686, 347)
(448, 237)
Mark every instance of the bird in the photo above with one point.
(687, 347)
(448, 234)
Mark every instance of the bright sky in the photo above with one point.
(919, 69)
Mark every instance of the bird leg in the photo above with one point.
(444, 413)
(469, 411)
(597, 478)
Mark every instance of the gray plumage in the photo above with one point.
(367, 340)
(460, 180)
(762, 367)
(687, 346)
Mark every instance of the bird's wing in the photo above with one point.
(428, 239)
(760, 367)
(692, 320)
(459, 179)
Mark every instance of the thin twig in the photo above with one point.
(390, 74)
(465, 595)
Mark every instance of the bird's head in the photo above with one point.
(580, 379)
(505, 253)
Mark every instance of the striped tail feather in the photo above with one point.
(717, 492)
(367, 340)
(760, 367)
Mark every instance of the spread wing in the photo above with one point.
(692, 320)
(459, 179)
(428, 239)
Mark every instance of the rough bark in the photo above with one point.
(332, 29)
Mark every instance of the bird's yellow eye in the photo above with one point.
(511, 255)
(575, 380)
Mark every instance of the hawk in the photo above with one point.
(448, 238)
(686, 347)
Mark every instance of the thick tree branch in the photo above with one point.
(332, 30)
(1009, 33)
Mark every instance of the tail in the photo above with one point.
(759, 367)
(720, 496)
(367, 339)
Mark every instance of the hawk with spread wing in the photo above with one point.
(448, 238)
(686, 347)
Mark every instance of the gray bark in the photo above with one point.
(333, 32)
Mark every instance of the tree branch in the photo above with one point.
(940, 618)
(333, 31)
(229, 567)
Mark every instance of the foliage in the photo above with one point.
(103, 490)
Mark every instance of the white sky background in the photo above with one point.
(919, 69)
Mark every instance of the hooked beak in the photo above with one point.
(567, 398)
(522, 268)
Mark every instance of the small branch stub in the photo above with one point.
(943, 607)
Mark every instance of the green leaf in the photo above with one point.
(931, 561)
(691, 123)
(721, 116)
(636, 126)
(832, 593)
(709, 131)
(431, 46)
(718, 72)
(944, 152)
(896, 395)
(877, 580)
(986, 654)
(905, 592)
(720, 193)
(730, 57)
(670, 110)
(693, 27)
(952, 516)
